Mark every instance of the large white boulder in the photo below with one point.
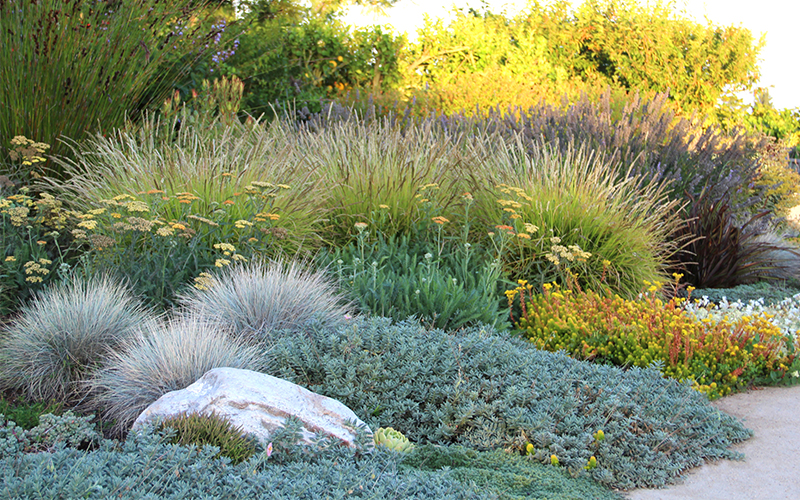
(258, 403)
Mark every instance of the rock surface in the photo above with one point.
(258, 403)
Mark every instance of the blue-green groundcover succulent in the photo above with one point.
(146, 466)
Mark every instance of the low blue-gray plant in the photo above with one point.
(165, 357)
(255, 299)
(62, 335)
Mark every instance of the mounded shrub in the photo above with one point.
(165, 357)
(63, 334)
(255, 299)
(716, 357)
(488, 391)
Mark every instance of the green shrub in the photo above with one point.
(446, 283)
(716, 358)
(295, 64)
(213, 430)
(163, 358)
(91, 61)
(486, 391)
(256, 300)
(61, 336)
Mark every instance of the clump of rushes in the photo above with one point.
(163, 358)
(717, 357)
(93, 61)
(63, 334)
(211, 430)
(257, 299)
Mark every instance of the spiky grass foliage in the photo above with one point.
(231, 171)
(211, 430)
(256, 299)
(583, 200)
(782, 254)
(723, 253)
(164, 357)
(92, 61)
(363, 165)
(64, 333)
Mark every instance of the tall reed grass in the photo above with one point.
(71, 67)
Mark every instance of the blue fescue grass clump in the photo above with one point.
(166, 356)
(61, 336)
(486, 391)
(258, 298)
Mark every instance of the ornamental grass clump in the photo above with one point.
(92, 61)
(716, 357)
(257, 299)
(213, 170)
(211, 430)
(164, 357)
(64, 333)
(541, 196)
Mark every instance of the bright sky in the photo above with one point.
(780, 67)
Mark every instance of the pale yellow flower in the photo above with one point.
(226, 247)
(137, 206)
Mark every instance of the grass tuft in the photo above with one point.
(63, 333)
(256, 299)
(165, 357)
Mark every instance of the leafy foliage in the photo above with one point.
(53, 432)
(716, 358)
(547, 50)
(295, 63)
(447, 284)
(486, 391)
(214, 430)
(510, 474)
(131, 468)
(766, 292)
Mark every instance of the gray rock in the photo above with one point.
(258, 403)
